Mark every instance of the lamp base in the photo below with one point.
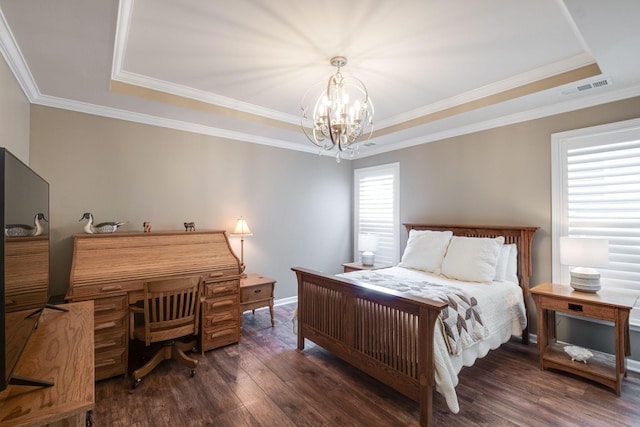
(367, 258)
(585, 280)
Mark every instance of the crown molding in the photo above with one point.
(15, 61)
(115, 113)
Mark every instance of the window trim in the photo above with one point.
(357, 173)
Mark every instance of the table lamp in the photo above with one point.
(367, 245)
(584, 254)
(242, 229)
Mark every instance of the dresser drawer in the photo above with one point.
(579, 308)
(256, 293)
(221, 288)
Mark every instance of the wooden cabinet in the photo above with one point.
(220, 313)
(257, 291)
(110, 269)
(605, 305)
(60, 350)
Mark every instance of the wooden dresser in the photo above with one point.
(111, 269)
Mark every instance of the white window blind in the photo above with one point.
(376, 210)
(596, 186)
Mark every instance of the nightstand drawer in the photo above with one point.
(256, 293)
(579, 308)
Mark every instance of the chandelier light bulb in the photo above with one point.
(342, 113)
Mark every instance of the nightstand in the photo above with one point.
(605, 305)
(354, 266)
(256, 291)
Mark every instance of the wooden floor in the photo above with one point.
(265, 381)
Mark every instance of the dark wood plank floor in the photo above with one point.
(265, 381)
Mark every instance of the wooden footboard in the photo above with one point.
(374, 329)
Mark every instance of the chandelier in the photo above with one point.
(341, 115)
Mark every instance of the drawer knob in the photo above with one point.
(575, 307)
(257, 291)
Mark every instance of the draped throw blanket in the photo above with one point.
(461, 321)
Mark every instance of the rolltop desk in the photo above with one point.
(110, 269)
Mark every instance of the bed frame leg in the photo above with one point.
(426, 402)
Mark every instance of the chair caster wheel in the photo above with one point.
(136, 383)
(192, 373)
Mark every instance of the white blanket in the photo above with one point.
(503, 314)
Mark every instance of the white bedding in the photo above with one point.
(503, 313)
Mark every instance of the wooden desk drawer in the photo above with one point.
(220, 304)
(221, 288)
(218, 319)
(110, 314)
(256, 293)
(109, 305)
(96, 291)
(579, 308)
(110, 362)
(219, 337)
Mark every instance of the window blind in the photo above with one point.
(603, 200)
(376, 210)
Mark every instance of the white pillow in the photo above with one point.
(425, 250)
(512, 266)
(472, 259)
(503, 260)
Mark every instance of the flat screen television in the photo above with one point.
(24, 259)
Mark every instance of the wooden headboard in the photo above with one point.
(520, 236)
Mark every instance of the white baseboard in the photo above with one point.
(285, 301)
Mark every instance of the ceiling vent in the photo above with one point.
(606, 81)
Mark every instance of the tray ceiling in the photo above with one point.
(239, 69)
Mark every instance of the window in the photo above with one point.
(596, 192)
(376, 210)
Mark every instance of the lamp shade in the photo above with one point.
(242, 228)
(367, 242)
(584, 252)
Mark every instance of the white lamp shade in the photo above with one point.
(584, 252)
(242, 228)
(367, 242)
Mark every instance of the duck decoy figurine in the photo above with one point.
(24, 230)
(103, 227)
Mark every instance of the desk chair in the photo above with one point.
(171, 309)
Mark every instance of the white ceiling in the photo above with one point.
(238, 69)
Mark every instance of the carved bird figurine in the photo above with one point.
(103, 227)
(24, 230)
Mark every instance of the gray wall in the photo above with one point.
(500, 176)
(14, 115)
(298, 205)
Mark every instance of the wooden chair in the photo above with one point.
(171, 309)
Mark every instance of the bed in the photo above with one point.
(391, 332)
